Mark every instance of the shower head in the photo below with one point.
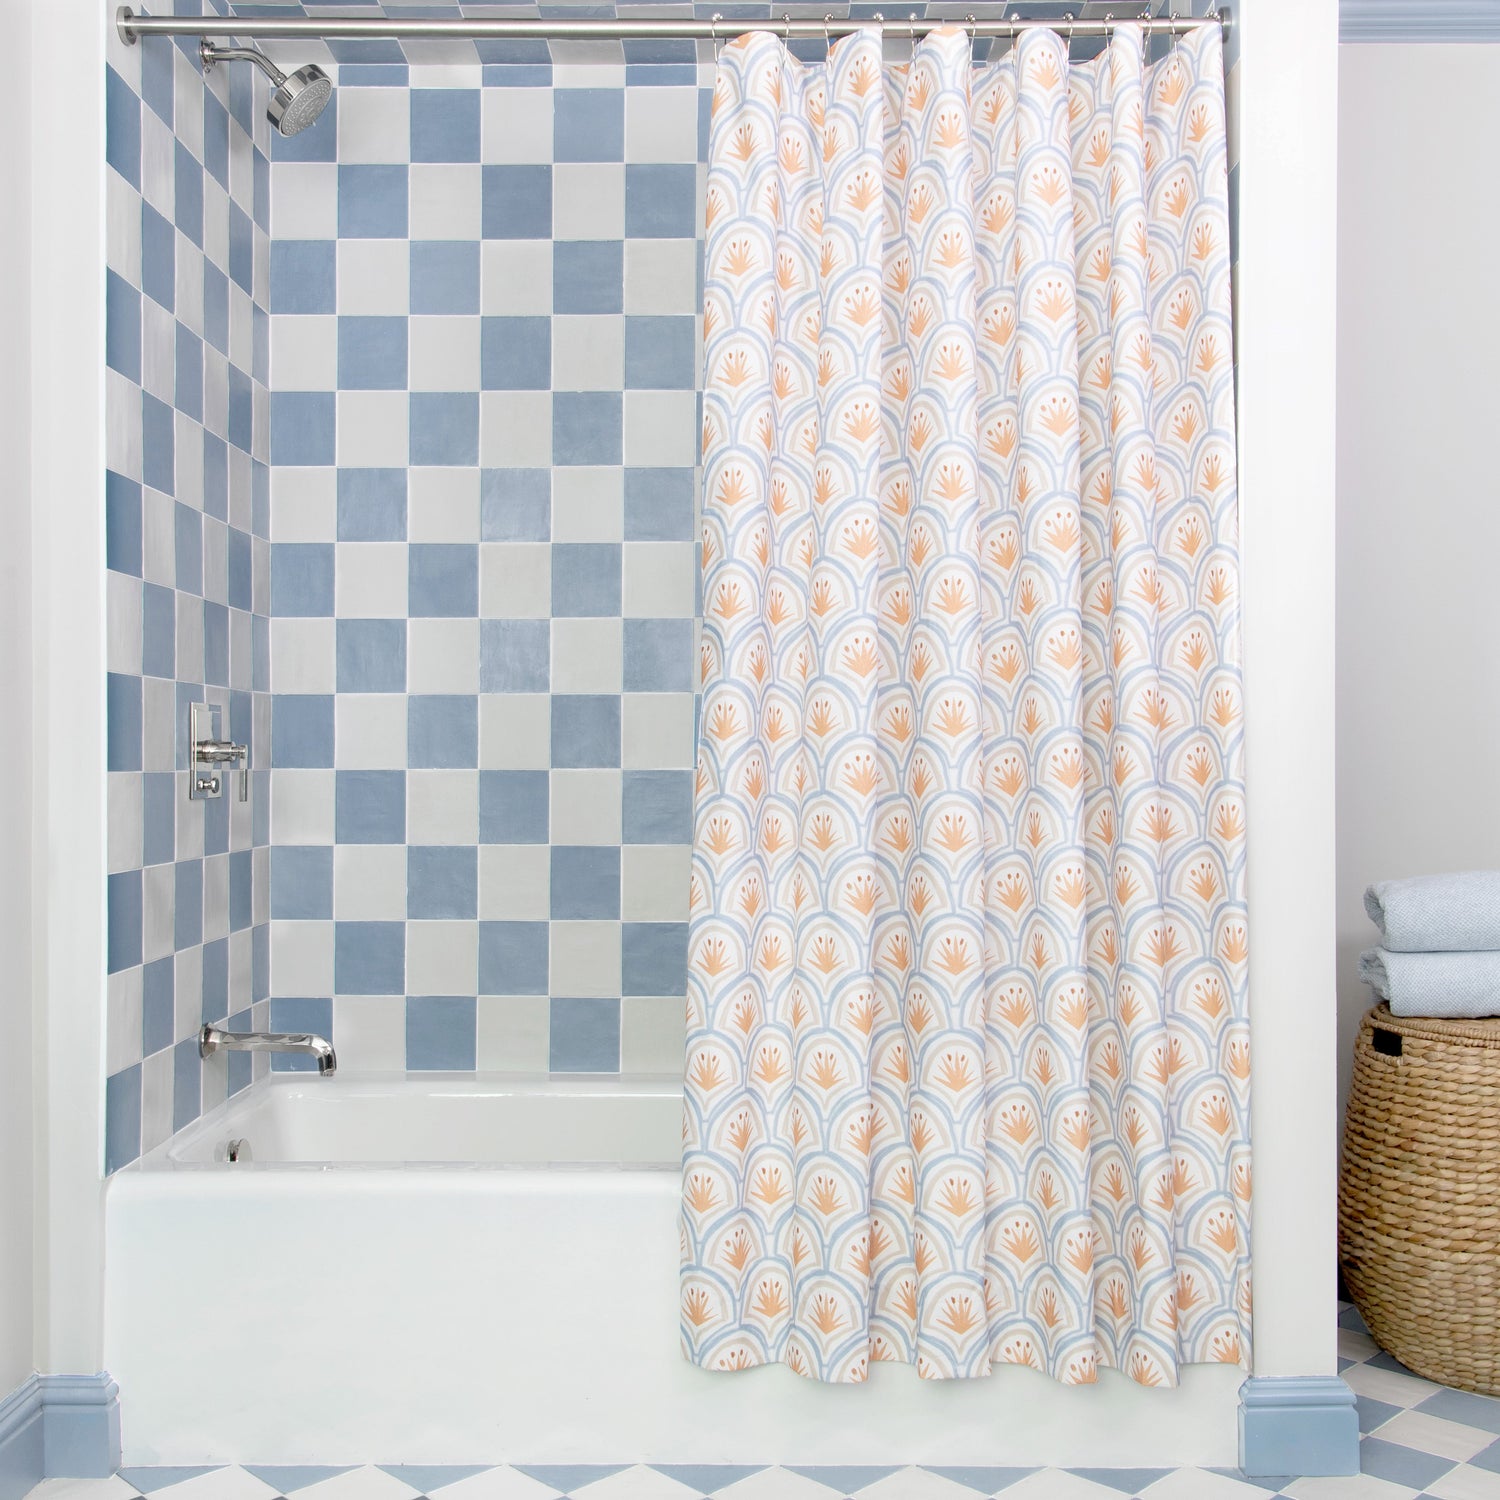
(297, 99)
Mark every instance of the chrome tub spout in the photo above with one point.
(212, 1039)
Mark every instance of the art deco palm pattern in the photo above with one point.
(967, 1066)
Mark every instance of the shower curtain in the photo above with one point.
(967, 1063)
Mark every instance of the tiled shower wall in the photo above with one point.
(484, 286)
(187, 503)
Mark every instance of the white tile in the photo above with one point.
(501, 1483)
(585, 806)
(443, 505)
(515, 731)
(1466, 1483)
(514, 1035)
(442, 656)
(1351, 1487)
(1199, 1484)
(370, 580)
(159, 352)
(156, 1098)
(588, 353)
(588, 504)
(123, 611)
(122, 424)
(229, 1483)
(1058, 1484)
(515, 580)
(373, 276)
(122, 229)
(302, 806)
(370, 1033)
(588, 201)
(187, 993)
(443, 354)
(916, 1484)
(123, 1012)
(113, 1488)
(370, 731)
(446, 200)
(661, 124)
(654, 882)
(515, 429)
(158, 164)
(301, 957)
(304, 504)
(442, 807)
(775, 1484)
(661, 428)
(442, 958)
(660, 579)
(1430, 1434)
(661, 276)
(637, 1483)
(514, 882)
(369, 882)
(587, 657)
(305, 200)
(656, 731)
(515, 276)
(372, 429)
(653, 1035)
(304, 352)
(516, 125)
(303, 653)
(366, 1483)
(1387, 1385)
(585, 958)
(374, 125)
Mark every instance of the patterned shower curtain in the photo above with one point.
(967, 1064)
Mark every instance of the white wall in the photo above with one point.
(1418, 478)
(16, 1217)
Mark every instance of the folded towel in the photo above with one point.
(1437, 913)
(1434, 984)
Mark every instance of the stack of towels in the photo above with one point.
(1439, 951)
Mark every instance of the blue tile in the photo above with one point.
(215, 643)
(122, 327)
(216, 140)
(513, 958)
(654, 958)
(216, 477)
(123, 722)
(1399, 1464)
(301, 1014)
(585, 1036)
(371, 656)
(187, 909)
(122, 1118)
(659, 656)
(216, 307)
(241, 83)
(187, 1083)
(513, 809)
(515, 656)
(158, 257)
(517, 202)
(445, 124)
(187, 194)
(515, 354)
(303, 276)
(302, 427)
(585, 881)
(319, 142)
(158, 817)
(241, 410)
(187, 533)
(442, 579)
(125, 916)
(585, 730)
(372, 354)
(444, 427)
(372, 202)
(1489, 1459)
(588, 125)
(241, 248)
(158, 445)
(1464, 1407)
(369, 958)
(658, 807)
(445, 275)
(216, 979)
(441, 1033)
(187, 383)
(302, 578)
(302, 881)
(157, 1022)
(372, 505)
(302, 730)
(286, 1479)
(515, 505)
(1349, 1318)
(442, 731)
(369, 807)
(659, 505)
(586, 579)
(588, 276)
(157, 67)
(240, 562)
(442, 881)
(158, 631)
(426, 1478)
(1373, 1414)
(661, 353)
(122, 524)
(523, 63)
(122, 127)
(586, 427)
(661, 201)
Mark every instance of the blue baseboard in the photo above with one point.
(1298, 1424)
(58, 1427)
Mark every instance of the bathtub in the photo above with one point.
(484, 1270)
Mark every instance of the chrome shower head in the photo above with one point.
(297, 99)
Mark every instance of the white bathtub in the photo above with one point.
(413, 1270)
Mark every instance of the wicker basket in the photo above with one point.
(1419, 1194)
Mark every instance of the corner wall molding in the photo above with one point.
(58, 1427)
(1298, 1424)
(1419, 21)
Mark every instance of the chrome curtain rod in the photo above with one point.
(340, 28)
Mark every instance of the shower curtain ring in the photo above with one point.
(911, 26)
(786, 26)
(973, 31)
(713, 31)
(828, 31)
(1071, 20)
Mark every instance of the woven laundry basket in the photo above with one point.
(1419, 1194)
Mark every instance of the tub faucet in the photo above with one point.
(212, 1039)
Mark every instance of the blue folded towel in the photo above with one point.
(1437, 913)
(1434, 984)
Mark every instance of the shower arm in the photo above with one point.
(209, 54)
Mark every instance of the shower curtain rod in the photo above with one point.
(340, 28)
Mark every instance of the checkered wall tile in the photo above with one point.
(484, 291)
(187, 502)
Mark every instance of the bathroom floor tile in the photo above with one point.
(230, 1483)
(1201, 1484)
(1432, 1434)
(636, 1483)
(776, 1484)
(1465, 1482)
(499, 1484)
(919, 1484)
(366, 1483)
(1060, 1484)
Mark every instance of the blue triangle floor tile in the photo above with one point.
(706, 1478)
(988, 1481)
(160, 1476)
(430, 1477)
(286, 1478)
(567, 1477)
(1127, 1481)
(847, 1479)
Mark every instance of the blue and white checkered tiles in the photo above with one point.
(1421, 1442)
(187, 519)
(483, 434)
